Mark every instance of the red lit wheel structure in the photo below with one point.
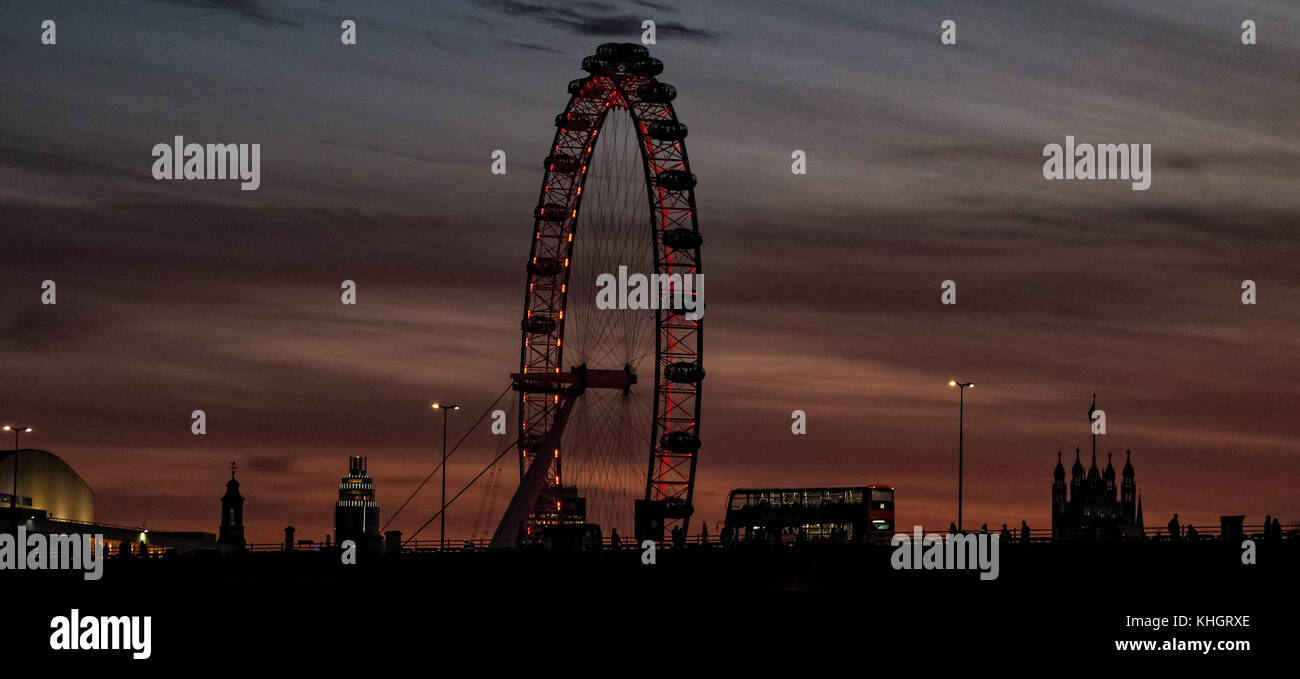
(610, 399)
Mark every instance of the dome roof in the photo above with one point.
(50, 483)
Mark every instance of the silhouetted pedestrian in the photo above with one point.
(1005, 535)
(1024, 532)
(1191, 533)
(1173, 527)
(1277, 529)
(952, 529)
(984, 529)
(615, 542)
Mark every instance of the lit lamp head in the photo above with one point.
(24, 430)
(445, 406)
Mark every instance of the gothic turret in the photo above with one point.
(1094, 476)
(1060, 503)
(1109, 477)
(1076, 483)
(1128, 491)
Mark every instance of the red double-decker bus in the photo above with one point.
(840, 514)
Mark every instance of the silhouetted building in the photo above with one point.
(232, 514)
(559, 519)
(562, 509)
(53, 499)
(1094, 507)
(356, 515)
(45, 483)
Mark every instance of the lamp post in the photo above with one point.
(18, 431)
(961, 423)
(442, 529)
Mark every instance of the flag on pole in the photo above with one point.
(1092, 408)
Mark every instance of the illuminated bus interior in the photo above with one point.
(846, 514)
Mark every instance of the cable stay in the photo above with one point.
(449, 454)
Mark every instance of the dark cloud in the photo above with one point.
(270, 465)
(249, 9)
(532, 47)
(596, 21)
(31, 328)
(656, 6)
(40, 155)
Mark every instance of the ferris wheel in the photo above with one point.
(609, 398)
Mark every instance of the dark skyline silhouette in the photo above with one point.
(924, 166)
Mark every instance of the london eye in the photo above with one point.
(609, 398)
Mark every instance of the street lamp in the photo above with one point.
(442, 529)
(18, 431)
(961, 417)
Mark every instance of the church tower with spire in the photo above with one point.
(232, 514)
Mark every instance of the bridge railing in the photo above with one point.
(1036, 536)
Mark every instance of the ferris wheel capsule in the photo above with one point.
(684, 372)
(578, 123)
(666, 130)
(657, 93)
(676, 180)
(538, 325)
(622, 51)
(552, 212)
(558, 162)
(682, 238)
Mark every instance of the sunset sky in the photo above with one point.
(924, 164)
